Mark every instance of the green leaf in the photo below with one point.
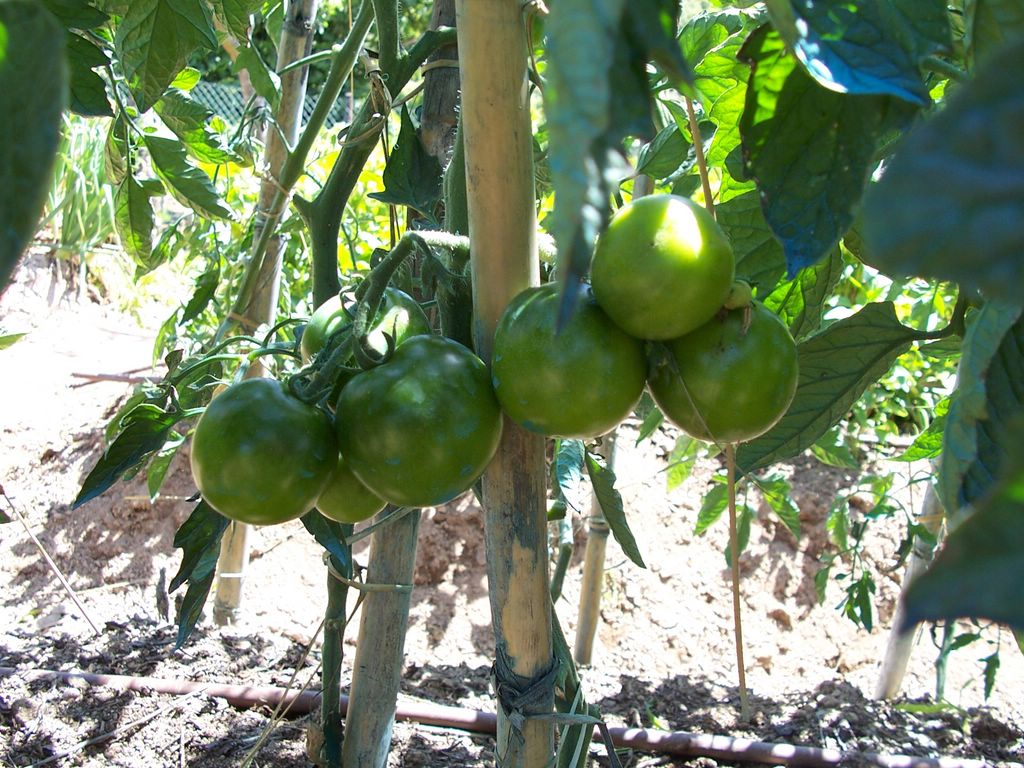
(950, 204)
(186, 80)
(989, 399)
(721, 83)
(265, 81)
(589, 111)
(663, 156)
(810, 150)
(759, 257)
(837, 523)
(157, 469)
(193, 123)
(33, 80)
(746, 517)
(681, 461)
(800, 302)
(928, 444)
(836, 366)
(9, 339)
(652, 420)
(568, 468)
(88, 91)
(412, 176)
(603, 480)
(651, 27)
(133, 218)
(75, 14)
(189, 185)
(978, 573)
(778, 494)
(990, 23)
(143, 432)
(862, 48)
(206, 289)
(706, 31)
(115, 151)
(832, 449)
(331, 536)
(199, 539)
(154, 40)
(714, 504)
(991, 668)
(237, 15)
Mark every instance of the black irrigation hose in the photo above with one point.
(678, 743)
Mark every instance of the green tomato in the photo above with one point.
(346, 499)
(726, 383)
(419, 429)
(662, 268)
(260, 455)
(577, 383)
(400, 316)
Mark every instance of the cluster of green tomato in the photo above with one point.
(417, 430)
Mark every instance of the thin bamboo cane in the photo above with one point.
(296, 43)
(502, 223)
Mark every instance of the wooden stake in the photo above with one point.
(502, 229)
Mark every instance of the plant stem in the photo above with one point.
(702, 163)
(332, 655)
(734, 550)
(499, 160)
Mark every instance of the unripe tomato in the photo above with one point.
(346, 499)
(260, 455)
(662, 268)
(400, 316)
(419, 429)
(725, 383)
(578, 383)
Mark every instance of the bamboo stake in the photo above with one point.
(593, 568)
(296, 43)
(502, 230)
(900, 646)
(380, 648)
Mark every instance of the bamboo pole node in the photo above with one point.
(362, 585)
(440, 64)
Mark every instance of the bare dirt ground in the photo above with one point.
(664, 655)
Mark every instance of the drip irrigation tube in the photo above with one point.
(678, 743)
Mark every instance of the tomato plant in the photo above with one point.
(260, 455)
(346, 499)
(578, 382)
(727, 382)
(662, 268)
(400, 317)
(421, 427)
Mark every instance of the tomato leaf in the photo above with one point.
(206, 289)
(713, 505)
(133, 218)
(265, 81)
(681, 461)
(569, 474)
(864, 48)
(88, 91)
(143, 431)
(331, 536)
(989, 23)
(665, 154)
(707, 31)
(237, 15)
(832, 449)
(194, 124)
(603, 480)
(157, 469)
(75, 14)
(33, 78)
(412, 176)
(154, 40)
(199, 539)
(951, 201)
(836, 366)
(759, 257)
(778, 494)
(978, 572)
(746, 517)
(989, 398)
(928, 444)
(189, 184)
(801, 301)
(9, 339)
(809, 149)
